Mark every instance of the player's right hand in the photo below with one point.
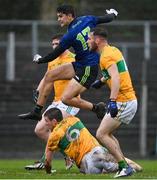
(112, 108)
(35, 95)
(97, 84)
(112, 11)
(36, 58)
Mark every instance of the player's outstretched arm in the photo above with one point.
(50, 57)
(48, 160)
(110, 16)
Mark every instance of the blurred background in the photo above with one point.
(26, 28)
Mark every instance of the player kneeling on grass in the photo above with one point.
(71, 137)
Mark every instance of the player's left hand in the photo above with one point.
(112, 11)
(36, 58)
(47, 167)
(112, 108)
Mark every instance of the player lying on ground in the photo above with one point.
(82, 72)
(71, 137)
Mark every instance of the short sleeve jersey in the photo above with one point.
(112, 55)
(77, 37)
(60, 85)
(72, 138)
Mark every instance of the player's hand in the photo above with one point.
(97, 84)
(35, 95)
(112, 108)
(36, 58)
(112, 11)
(47, 167)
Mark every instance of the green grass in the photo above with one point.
(14, 169)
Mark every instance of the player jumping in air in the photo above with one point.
(83, 71)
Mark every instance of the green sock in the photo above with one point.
(42, 158)
(122, 164)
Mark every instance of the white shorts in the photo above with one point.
(95, 162)
(69, 109)
(126, 111)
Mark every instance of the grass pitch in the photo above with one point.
(14, 169)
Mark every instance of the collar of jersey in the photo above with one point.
(71, 23)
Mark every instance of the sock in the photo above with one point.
(42, 158)
(38, 108)
(122, 164)
(94, 108)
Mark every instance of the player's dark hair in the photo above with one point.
(100, 31)
(57, 36)
(66, 9)
(54, 113)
